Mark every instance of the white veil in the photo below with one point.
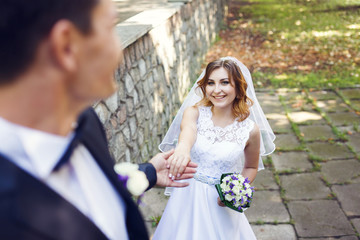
(256, 114)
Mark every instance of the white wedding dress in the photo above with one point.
(192, 213)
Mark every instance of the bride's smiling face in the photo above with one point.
(220, 89)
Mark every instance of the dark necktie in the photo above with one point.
(69, 150)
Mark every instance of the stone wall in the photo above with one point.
(157, 70)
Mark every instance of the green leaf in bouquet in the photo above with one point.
(221, 196)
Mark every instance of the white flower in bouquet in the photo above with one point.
(132, 178)
(237, 190)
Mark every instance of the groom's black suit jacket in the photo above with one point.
(29, 209)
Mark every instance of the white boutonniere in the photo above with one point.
(132, 178)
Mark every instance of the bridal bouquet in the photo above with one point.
(235, 191)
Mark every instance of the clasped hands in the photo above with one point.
(172, 166)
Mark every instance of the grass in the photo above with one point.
(295, 43)
(326, 28)
(155, 220)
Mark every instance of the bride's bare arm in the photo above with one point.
(181, 157)
(252, 153)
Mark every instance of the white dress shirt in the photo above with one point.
(81, 181)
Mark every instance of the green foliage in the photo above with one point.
(316, 168)
(319, 39)
(268, 163)
(155, 220)
(315, 158)
(259, 222)
(317, 80)
(331, 196)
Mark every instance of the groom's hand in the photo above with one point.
(162, 171)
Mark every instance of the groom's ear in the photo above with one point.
(65, 41)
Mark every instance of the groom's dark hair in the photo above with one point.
(25, 23)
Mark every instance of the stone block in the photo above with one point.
(345, 129)
(135, 78)
(349, 197)
(291, 95)
(127, 155)
(274, 232)
(304, 186)
(266, 98)
(275, 116)
(112, 102)
(130, 105)
(265, 181)
(340, 171)
(306, 117)
(153, 203)
(354, 142)
(269, 110)
(334, 105)
(267, 206)
(270, 103)
(132, 53)
(356, 104)
(127, 58)
(319, 218)
(121, 114)
(351, 237)
(323, 95)
(344, 118)
(351, 93)
(356, 223)
(102, 112)
(300, 104)
(121, 90)
(291, 161)
(138, 47)
(129, 83)
(286, 141)
(133, 126)
(317, 132)
(280, 125)
(142, 68)
(356, 180)
(330, 151)
(149, 224)
(126, 134)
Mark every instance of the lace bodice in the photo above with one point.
(219, 150)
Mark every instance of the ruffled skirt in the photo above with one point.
(192, 213)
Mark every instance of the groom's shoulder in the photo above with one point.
(89, 114)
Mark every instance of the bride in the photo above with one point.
(222, 128)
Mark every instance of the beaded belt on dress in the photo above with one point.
(206, 179)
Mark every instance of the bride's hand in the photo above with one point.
(160, 162)
(220, 203)
(178, 162)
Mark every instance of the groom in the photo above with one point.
(56, 175)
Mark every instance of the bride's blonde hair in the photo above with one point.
(242, 102)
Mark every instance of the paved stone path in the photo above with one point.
(310, 188)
